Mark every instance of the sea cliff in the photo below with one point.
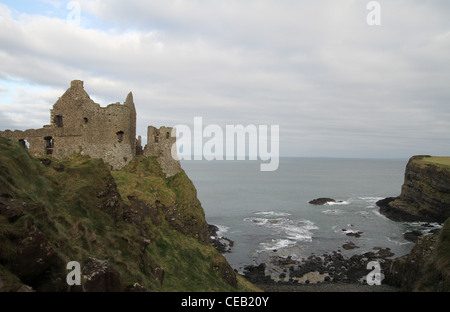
(425, 194)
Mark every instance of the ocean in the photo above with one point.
(267, 213)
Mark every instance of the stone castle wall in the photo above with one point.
(79, 125)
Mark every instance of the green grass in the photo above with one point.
(436, 160)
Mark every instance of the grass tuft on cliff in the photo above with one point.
(75, 209)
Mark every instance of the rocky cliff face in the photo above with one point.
(425, 196)
(427, 267)
(425, 193)
(130, 230)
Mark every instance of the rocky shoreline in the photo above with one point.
(327, 272)
(373, 271)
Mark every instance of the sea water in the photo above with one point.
(267, 213)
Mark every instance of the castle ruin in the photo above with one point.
(79, 125)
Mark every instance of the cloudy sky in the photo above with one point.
(336, 86)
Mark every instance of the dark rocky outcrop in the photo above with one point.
(221, 243)
(427, 267)
(321, 201)
(100, 276)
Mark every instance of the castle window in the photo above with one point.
(167, 135)
(58, 120)
(85, 120)
(120, 136)
(157, 138)
(48, 141)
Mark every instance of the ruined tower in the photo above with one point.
(79, 125)
(159, 143)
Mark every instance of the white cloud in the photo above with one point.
(317, 69)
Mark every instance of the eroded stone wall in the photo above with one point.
(159, 144)
(79, 125)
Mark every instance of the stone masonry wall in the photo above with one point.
(79, 125)
(159, 144)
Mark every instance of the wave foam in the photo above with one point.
(333, 211)
(292, 231)
(222, 229)
(272, 213)
(341, 202)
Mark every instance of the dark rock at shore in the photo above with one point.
(349, 246)
(256, 274)
(412, 236)
(395, 213)
(321, 201)
(222, 244)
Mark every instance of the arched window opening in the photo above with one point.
(167, 135)
(85, 120)
(58, 120)
(157, 138)
(120, 136)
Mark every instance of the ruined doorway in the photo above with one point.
(48, 143)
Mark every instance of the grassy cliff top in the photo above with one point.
(442, 161)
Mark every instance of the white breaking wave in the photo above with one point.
(272, 213)
(333, 211)
(371, 199)
(222, 229)
(277, 244)
(341, 202)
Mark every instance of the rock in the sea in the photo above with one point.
(352, 233)
(349, 246)
(321, 201)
